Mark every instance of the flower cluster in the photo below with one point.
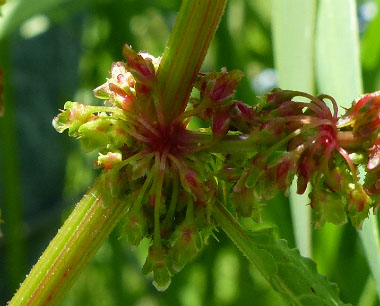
(171, 176)
(156, 167)
(308, 140)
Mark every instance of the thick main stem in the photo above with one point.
(70, 251)
(195, 26)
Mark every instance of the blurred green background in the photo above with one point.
(57, 50)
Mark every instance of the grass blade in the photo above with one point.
(369, 235)
(293, 36)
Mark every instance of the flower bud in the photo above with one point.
(327, 207)
(278, 96)
(358, 206)
(223, 87)
(374, 155)
(157, 262)
(221, 123)
(135, 225)
(103, 133)
(246, 203)
(142, 69)
(185, 244)
(73, 116)
(109, 160)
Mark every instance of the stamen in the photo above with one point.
(157, 105)
(333, 102)
(350, 164)
(148, 126)
(157, 201)
(127, 161)
(173, 201)
(316, 101)
(144, 188)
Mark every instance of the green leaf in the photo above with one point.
(293, 36)
(293, 276)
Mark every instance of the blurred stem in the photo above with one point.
(11, 185)
(195, 26)
(368, 296)
(369, 236)
(71, 250)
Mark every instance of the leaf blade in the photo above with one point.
(293, 276)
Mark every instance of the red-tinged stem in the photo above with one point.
(71, 250)
(348, 140)
(195, 26)
(246, 143)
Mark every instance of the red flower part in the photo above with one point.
(225, 85)
(117, 90)
(191, 180)
(191, 183)
(277, 96)
(141, 68)
(221, 123)
(305, 169)
(374, 156)
(244, 110)
(374, 98)
(206, 114)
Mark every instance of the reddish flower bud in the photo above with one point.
(358, 206)
(367, 102)
(305, 169)
(328, 207)
(141, 68)
(185, 243)
(109, 160)
(278, 96)
(374, 156)
(158, 262)
(244, 109)
(221, 123)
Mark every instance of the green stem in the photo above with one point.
(196, 24)
(71, 250)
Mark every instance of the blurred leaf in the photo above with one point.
(339, 74)
(293, 38)
(370, 45)
(293, 276)
(337, 51)
(17, 11)
(1, 94)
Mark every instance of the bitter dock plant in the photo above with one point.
(176, 186)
